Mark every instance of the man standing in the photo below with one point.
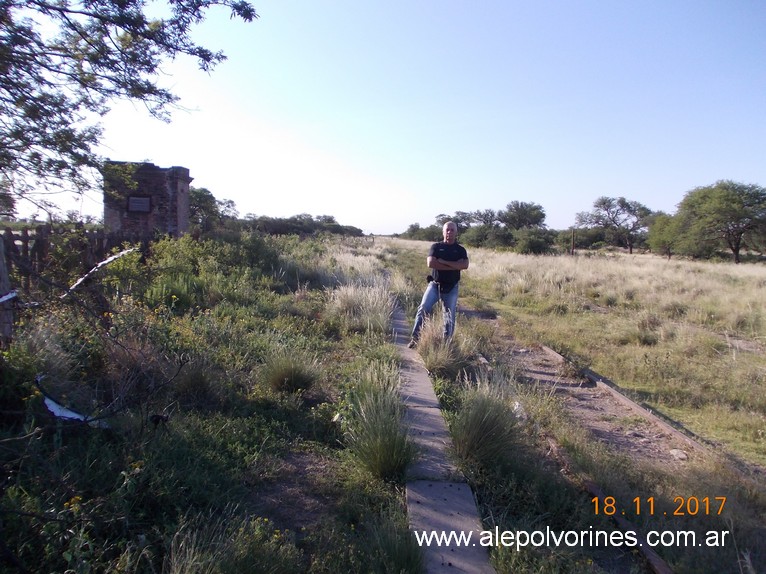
(447, 259)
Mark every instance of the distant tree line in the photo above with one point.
(208, 215)
(302, 224)
(520, 226)
(724, 217)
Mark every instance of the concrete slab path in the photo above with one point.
(438, 498)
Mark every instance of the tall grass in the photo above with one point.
(376, 434)
(483, 429)
(395, 545)
(445, 358)
(229, 544)
(724, 297)
(363, 307)
(685, 337)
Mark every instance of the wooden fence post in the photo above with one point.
(25, 257)
(6, 307)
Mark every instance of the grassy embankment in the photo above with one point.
(219, 368)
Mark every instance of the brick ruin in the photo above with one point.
(144, 199)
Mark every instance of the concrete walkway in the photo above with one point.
(438, 497)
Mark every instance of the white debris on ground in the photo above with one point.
(62, 412)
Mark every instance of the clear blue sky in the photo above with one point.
(389, 113)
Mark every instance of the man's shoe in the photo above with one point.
(412, 344)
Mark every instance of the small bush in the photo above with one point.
(484, 427)
(204, 388)
(290, 373)
(641, 337)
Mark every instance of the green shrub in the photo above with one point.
(126, 275)
(177, 292)
(483, 429)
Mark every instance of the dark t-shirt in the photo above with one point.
(454, 252)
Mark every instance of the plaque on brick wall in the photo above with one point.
(140, 204)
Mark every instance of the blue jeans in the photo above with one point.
(430, 298)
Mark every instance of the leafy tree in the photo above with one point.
(486, 217)
(430, 233)
(664, 234)
(585, 238)
(7, 201)
(303, 224)
(626, 220)
(522, 215)
(461, 218)
(726, 213)
(63, 63)
(534, 241)
(204, 210)
(227, 208)
(412, 230)
(487, 236)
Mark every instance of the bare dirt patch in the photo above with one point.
(595, 409)
(291, 501)
(625, 427)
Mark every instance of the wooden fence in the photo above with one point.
(27, 251)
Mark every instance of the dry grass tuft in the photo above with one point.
(444, 358)
(376, 434)
(483, 428)
(290, 372)
(363, 307)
